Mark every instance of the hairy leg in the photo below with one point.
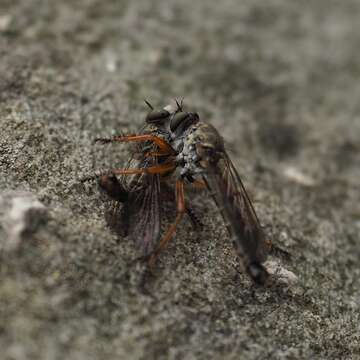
(163, 145)
(157, 169)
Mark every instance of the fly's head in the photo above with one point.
(172, 119)
(181, 121)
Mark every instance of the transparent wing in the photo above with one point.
(139, 216)
(144, 213)
(230, 195)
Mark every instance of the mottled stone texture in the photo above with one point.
(279, 79)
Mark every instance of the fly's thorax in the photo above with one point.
(200, 147)
(209, 145)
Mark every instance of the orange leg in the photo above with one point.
(157, 153)
(180, 200)
(163, 145)
(158, 169)
(269, 244)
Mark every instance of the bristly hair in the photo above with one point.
(179, 106)
(149, 105)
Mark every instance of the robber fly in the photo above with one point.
(176, 148)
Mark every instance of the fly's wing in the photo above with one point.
(139, 215)
(230, 195)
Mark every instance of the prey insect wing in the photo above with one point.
(139, 215)
(144, 224)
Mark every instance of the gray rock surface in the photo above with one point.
(279, 79)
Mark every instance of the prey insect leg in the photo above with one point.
(195, 221)
(163, 145)
(113, 188)
(180, 200)
(199, 184)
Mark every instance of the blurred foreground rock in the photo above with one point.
(21, 213)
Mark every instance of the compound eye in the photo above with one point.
(157, 116)
(182, 120)
(177, 119)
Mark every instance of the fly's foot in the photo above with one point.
(258, 273)
(103, 140)
(97, 174)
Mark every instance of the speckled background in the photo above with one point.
(279, 79)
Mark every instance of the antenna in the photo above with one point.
(148, 104)
(179, 106)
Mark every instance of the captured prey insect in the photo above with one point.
(176, 146)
